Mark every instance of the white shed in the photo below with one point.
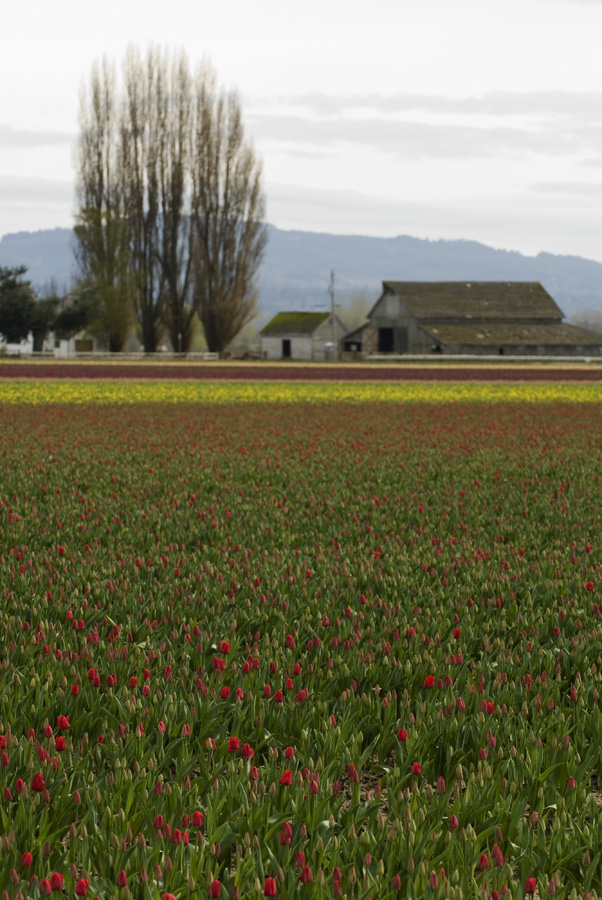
(305, 336)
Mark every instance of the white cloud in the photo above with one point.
(413, 139)
(21, 139)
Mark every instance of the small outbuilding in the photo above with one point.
(304, 336)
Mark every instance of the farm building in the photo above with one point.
(458, 317)
(301, 335)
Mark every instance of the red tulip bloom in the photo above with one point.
(197, 818)
(233, 744)
(37, 783)
(225, 692)
(416, 769)
(286, 778)
(402, 734)
(588, 587)
(81, 887)
(62, 723)
(278, 698)
(269, 888)
(59, 744)
(483, 862)
(305, 876)
(121, 879)
(44, 887)
(247, 751)
(289, 753)
(429, 682)
(56, 881)
(570, 783)
(215, 888)
(26, 859)
(530, 885)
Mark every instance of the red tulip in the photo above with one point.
(429, 681)
(416, 769)
(37, 783)
(62, 723)
(286, 778)
(26, 859)
(530, 885)
(233, 744)
(402, 734)
(56, 881)
(305, 876)
(121, 879)
(81, 887)
(215, 888)
(269, 888)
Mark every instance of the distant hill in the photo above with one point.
(296, 269)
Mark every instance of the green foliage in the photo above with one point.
(77, 314)
(17, 305)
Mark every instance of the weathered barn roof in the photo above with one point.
(509, 334)
(475, 300)
(294, 323)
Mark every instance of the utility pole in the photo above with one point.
(333, 315)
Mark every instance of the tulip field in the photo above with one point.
(300, 641)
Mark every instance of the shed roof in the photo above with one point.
(475, 299)
(500, 334)
(294, 323)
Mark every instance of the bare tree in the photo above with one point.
(138, 132)
(228, 213)
(101, 230)
(174, 110)
(170, 218)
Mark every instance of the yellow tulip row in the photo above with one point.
(86, 392)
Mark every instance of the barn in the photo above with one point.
(459, 317)
(303, 336)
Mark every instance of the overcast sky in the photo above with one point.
(476, 119)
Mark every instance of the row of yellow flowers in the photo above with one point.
(39, 392)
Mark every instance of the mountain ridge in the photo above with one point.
(295, 273)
